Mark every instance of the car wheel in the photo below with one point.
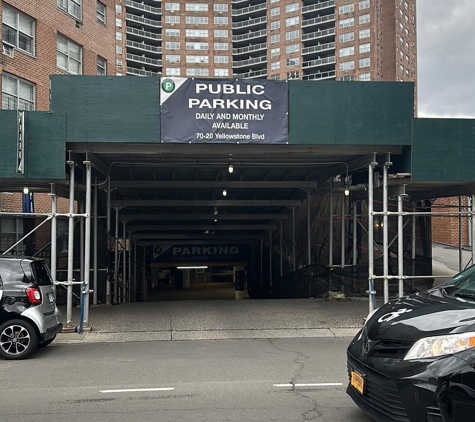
(18, 339)
(47, 342)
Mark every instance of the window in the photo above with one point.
(365, 62)
(221, 20)
(71, 7)
(295, 74)
(274, 38)
(348, 78)
(274, 65)
(292, 62)
(172, 71)
(101, 66)
(171, 32)
(118, 62)
(101, 12)
(275, 11)
(365, 77)
(348, 8)
(275, 77)
(118, 22)
(221, 59)
(220, 7)
(172, 58)
(197, 59)
(118, 49)
(172, 7)
(274, 52)
(364, 33)
(364, 4)
(345, 52)
(17, 94)
(222, 73)
(68, 55)
(274, 25)
(291, 35)
(118, 9)
(11, 232)
(172, 19)
(289, 49)
(118, 36)
(293, 7)
(365, 48)
(197, 20)
(221, 33)
(292, 21)
(346, 23)
(274, 1)
(197, 46)
(345, 66)
(172, 45)
(196, 7)
(18, 29)
(348, 36)
(197, 72)
(223, 46)
(197, 33)
(364, 18)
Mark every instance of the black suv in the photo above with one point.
(28, 314)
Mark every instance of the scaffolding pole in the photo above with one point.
(330, 252)
(400, 245)
(270, 259)
(371, 290)
(135, 272)
(116, 257)
(144, 279)
(124, 262)
(87, 243)
(70, 278)
(472, 226)
(281, 249)
(294, 256)
(108, 223)
(309, 240)
(94, 240)
(129, 297)
(460, 236)
(355, 229)
(413, 245)
(385, 232)
(54, 233)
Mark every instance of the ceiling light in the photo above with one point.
(347, 191)
(215, 220)
(192, 267)
(225, 192)
(230, 168)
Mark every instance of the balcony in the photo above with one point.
(316, 21)
(249, 49)
(249, 22)
(140, 72)
(143, 7)
(249, 75)
(143, 21)
(144, 47)
(239, 1)
(143, 34)
(318, 34)
(319, 62)
(250, 62)
(318, 48)
(319, 76)
(318, 6)
(248, 10)
(144, 60)
(250, 35)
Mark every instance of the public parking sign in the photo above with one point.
(224, 111)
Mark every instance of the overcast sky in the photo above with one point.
(446, 58)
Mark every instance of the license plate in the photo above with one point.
(357, 381)
(51, 297)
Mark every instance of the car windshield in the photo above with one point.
(462, 285)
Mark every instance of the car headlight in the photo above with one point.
(431, 347)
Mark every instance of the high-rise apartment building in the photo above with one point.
(365, 40)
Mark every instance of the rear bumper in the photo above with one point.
(45, 323)
(50, 333)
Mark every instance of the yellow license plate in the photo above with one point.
(357, 381)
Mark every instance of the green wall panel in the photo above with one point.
(44, 145)
(350, 113)
(108, 108)
(443, 150)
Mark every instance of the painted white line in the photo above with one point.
(135, 390)
(321, 384)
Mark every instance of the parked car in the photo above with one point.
(28, 314)
(414, 359)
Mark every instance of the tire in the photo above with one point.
(18, 339)
(47, 342)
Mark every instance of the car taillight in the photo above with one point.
(34, 295)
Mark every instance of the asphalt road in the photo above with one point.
(213, 381)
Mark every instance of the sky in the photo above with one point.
(446, 58)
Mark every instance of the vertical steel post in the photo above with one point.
(69, 297)
(130, 268)
(385, 233)
(135, 273)
(294, 255)
(94, 241)
(413, 245)
(460, 235)
(87, 242)
(400, 244)
(108, 223)
(355, 229)
(54, 234)
(144, 280)
(124, 259)
(309, 231)
(270, 258)
(371, 290)
(261, 257)
(330, 251)
(473, 230)
(81, 241)
(343, 231)
(281, 248)
(116, 258)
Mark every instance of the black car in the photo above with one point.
(28, 313)
(414, 359)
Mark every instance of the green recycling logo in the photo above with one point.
(168, 86)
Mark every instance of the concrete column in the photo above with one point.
(186, 279)
(239, 283)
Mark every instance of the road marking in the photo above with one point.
(321, 384)
(135, 390)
